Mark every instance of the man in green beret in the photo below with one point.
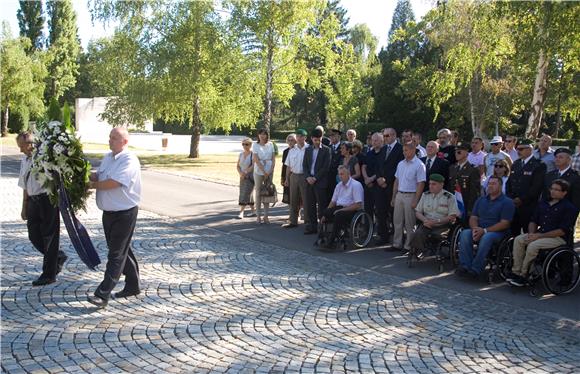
(436, 210)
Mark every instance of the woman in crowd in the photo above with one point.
(264, 162)
(246, 171)
(501, 169)
(291, 141)
(350, 161)
(357, 151)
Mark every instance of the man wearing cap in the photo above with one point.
(466, 177)
(295, 178)
(545, 153)
(562, 160)
(446, 149)
(434, 164)
(525, 185)
(495, 155)
(315, 167)
(436, 210)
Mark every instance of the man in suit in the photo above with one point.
(383, 190)
(467, 177)
(434, 164)
(335, 160)
(562, 161)
(525, 185)
(315, 165)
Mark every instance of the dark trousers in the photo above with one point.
(383, 210)
(119, 227)
(340, 220)
(316, 202)
(43, 222)
(522, 218)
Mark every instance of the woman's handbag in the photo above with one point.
(268, 191)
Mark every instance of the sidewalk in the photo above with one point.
(218, 302)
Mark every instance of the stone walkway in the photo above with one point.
(215, 302)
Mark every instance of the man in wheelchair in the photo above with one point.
(489, 222)
(347, 199)
(549, 226)
(436, 210)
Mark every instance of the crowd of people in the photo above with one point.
(412, 190)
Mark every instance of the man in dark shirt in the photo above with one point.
(373, 201)
(335, 160)
(551, 224)
(562, 162)
(446, 149)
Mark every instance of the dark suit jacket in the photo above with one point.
(570, 176)
(335, 160)
(439, 166)
(526, 181)
(469, 181)
(389, 166)
(321, 166)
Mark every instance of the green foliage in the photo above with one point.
(31, 23)
(54, 112)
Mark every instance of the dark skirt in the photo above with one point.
(246, 192)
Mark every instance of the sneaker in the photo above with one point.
(518, 281)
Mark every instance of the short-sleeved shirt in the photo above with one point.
(409, 173)
(476, 159)
(490, 160)
(421, 151)
(548, 158)
(489, 212)
(295, 159)
(561, 215)
(436, 206)
(349, 193)
(28, 181)
(265, 153)
(124, 168)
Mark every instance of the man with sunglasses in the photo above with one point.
(525, 185)
(510, 147)
(495, 155)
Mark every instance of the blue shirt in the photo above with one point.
(561, 215)
(491, 211)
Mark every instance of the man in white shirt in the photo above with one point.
(407, 191)
(495, 155)
(347, 199)
(417, 139)
(42, 218)
(510, 147)
(295, 178)
(118, 186)
(477, 156)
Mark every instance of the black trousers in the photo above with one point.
(316, 202)
(43, 222)
(383, 210)
(119, 227)
(341, 220)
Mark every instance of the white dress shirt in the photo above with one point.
(295, 158)
(27, 180)
(125, 169)
(409, 173)
(348, 194)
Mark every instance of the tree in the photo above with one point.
(63, 48)
(21, 78)
(272, 33)
(31, 23)
(175, 61)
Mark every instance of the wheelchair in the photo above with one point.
(358, 234)
(442, 246)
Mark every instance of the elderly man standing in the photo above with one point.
(436, 210)
(510, 146)
(434, 164)
(118, 186)
(562, 160)
(42, 218)
(545, 153)
(347, 199)
(295, 177)
(351, 135)
(446, 149)
(495, 155)
(407, 191)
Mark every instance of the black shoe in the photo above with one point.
(61, 260)
(518, 281)
(97, 301)
(125, 293)
(289, 225)
(43, 281)
(462, 272)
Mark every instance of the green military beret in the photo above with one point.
(528, 142)
(301, 132)
(437, 178)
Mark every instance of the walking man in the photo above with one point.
(118, 186)
(42, 218)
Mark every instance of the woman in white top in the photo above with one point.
(246, 171)
(501, 169)
(264, 160)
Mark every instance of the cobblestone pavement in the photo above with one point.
(214, 302)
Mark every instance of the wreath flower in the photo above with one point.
(59, 154)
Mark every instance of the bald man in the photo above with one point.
(118, 186)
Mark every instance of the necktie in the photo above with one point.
(388, 151)
(428, 164)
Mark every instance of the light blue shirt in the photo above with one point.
(125, 169)
(548, 159)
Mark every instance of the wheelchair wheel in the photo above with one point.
(454, 245)
(561, 271)
(504, 259)
(361, 229)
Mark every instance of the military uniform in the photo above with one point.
(468, 179)
(526, 182)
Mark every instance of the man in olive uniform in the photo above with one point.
(525, 185)
(467, 177)
(437, 209)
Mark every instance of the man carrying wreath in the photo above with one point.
(118, 186)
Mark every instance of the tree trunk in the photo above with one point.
(4, 130)
(559, 107)
(269, 82)
(537, 109)
(195, 129)
(474, 127)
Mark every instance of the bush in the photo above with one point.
(570, 143)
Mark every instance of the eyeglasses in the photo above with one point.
(498, 144)
(499, 166)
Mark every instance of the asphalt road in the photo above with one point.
(198, 202)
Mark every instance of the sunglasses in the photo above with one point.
(459, 151)
(499, 166)
(522, 148)
(246, 144)
(509, 141)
